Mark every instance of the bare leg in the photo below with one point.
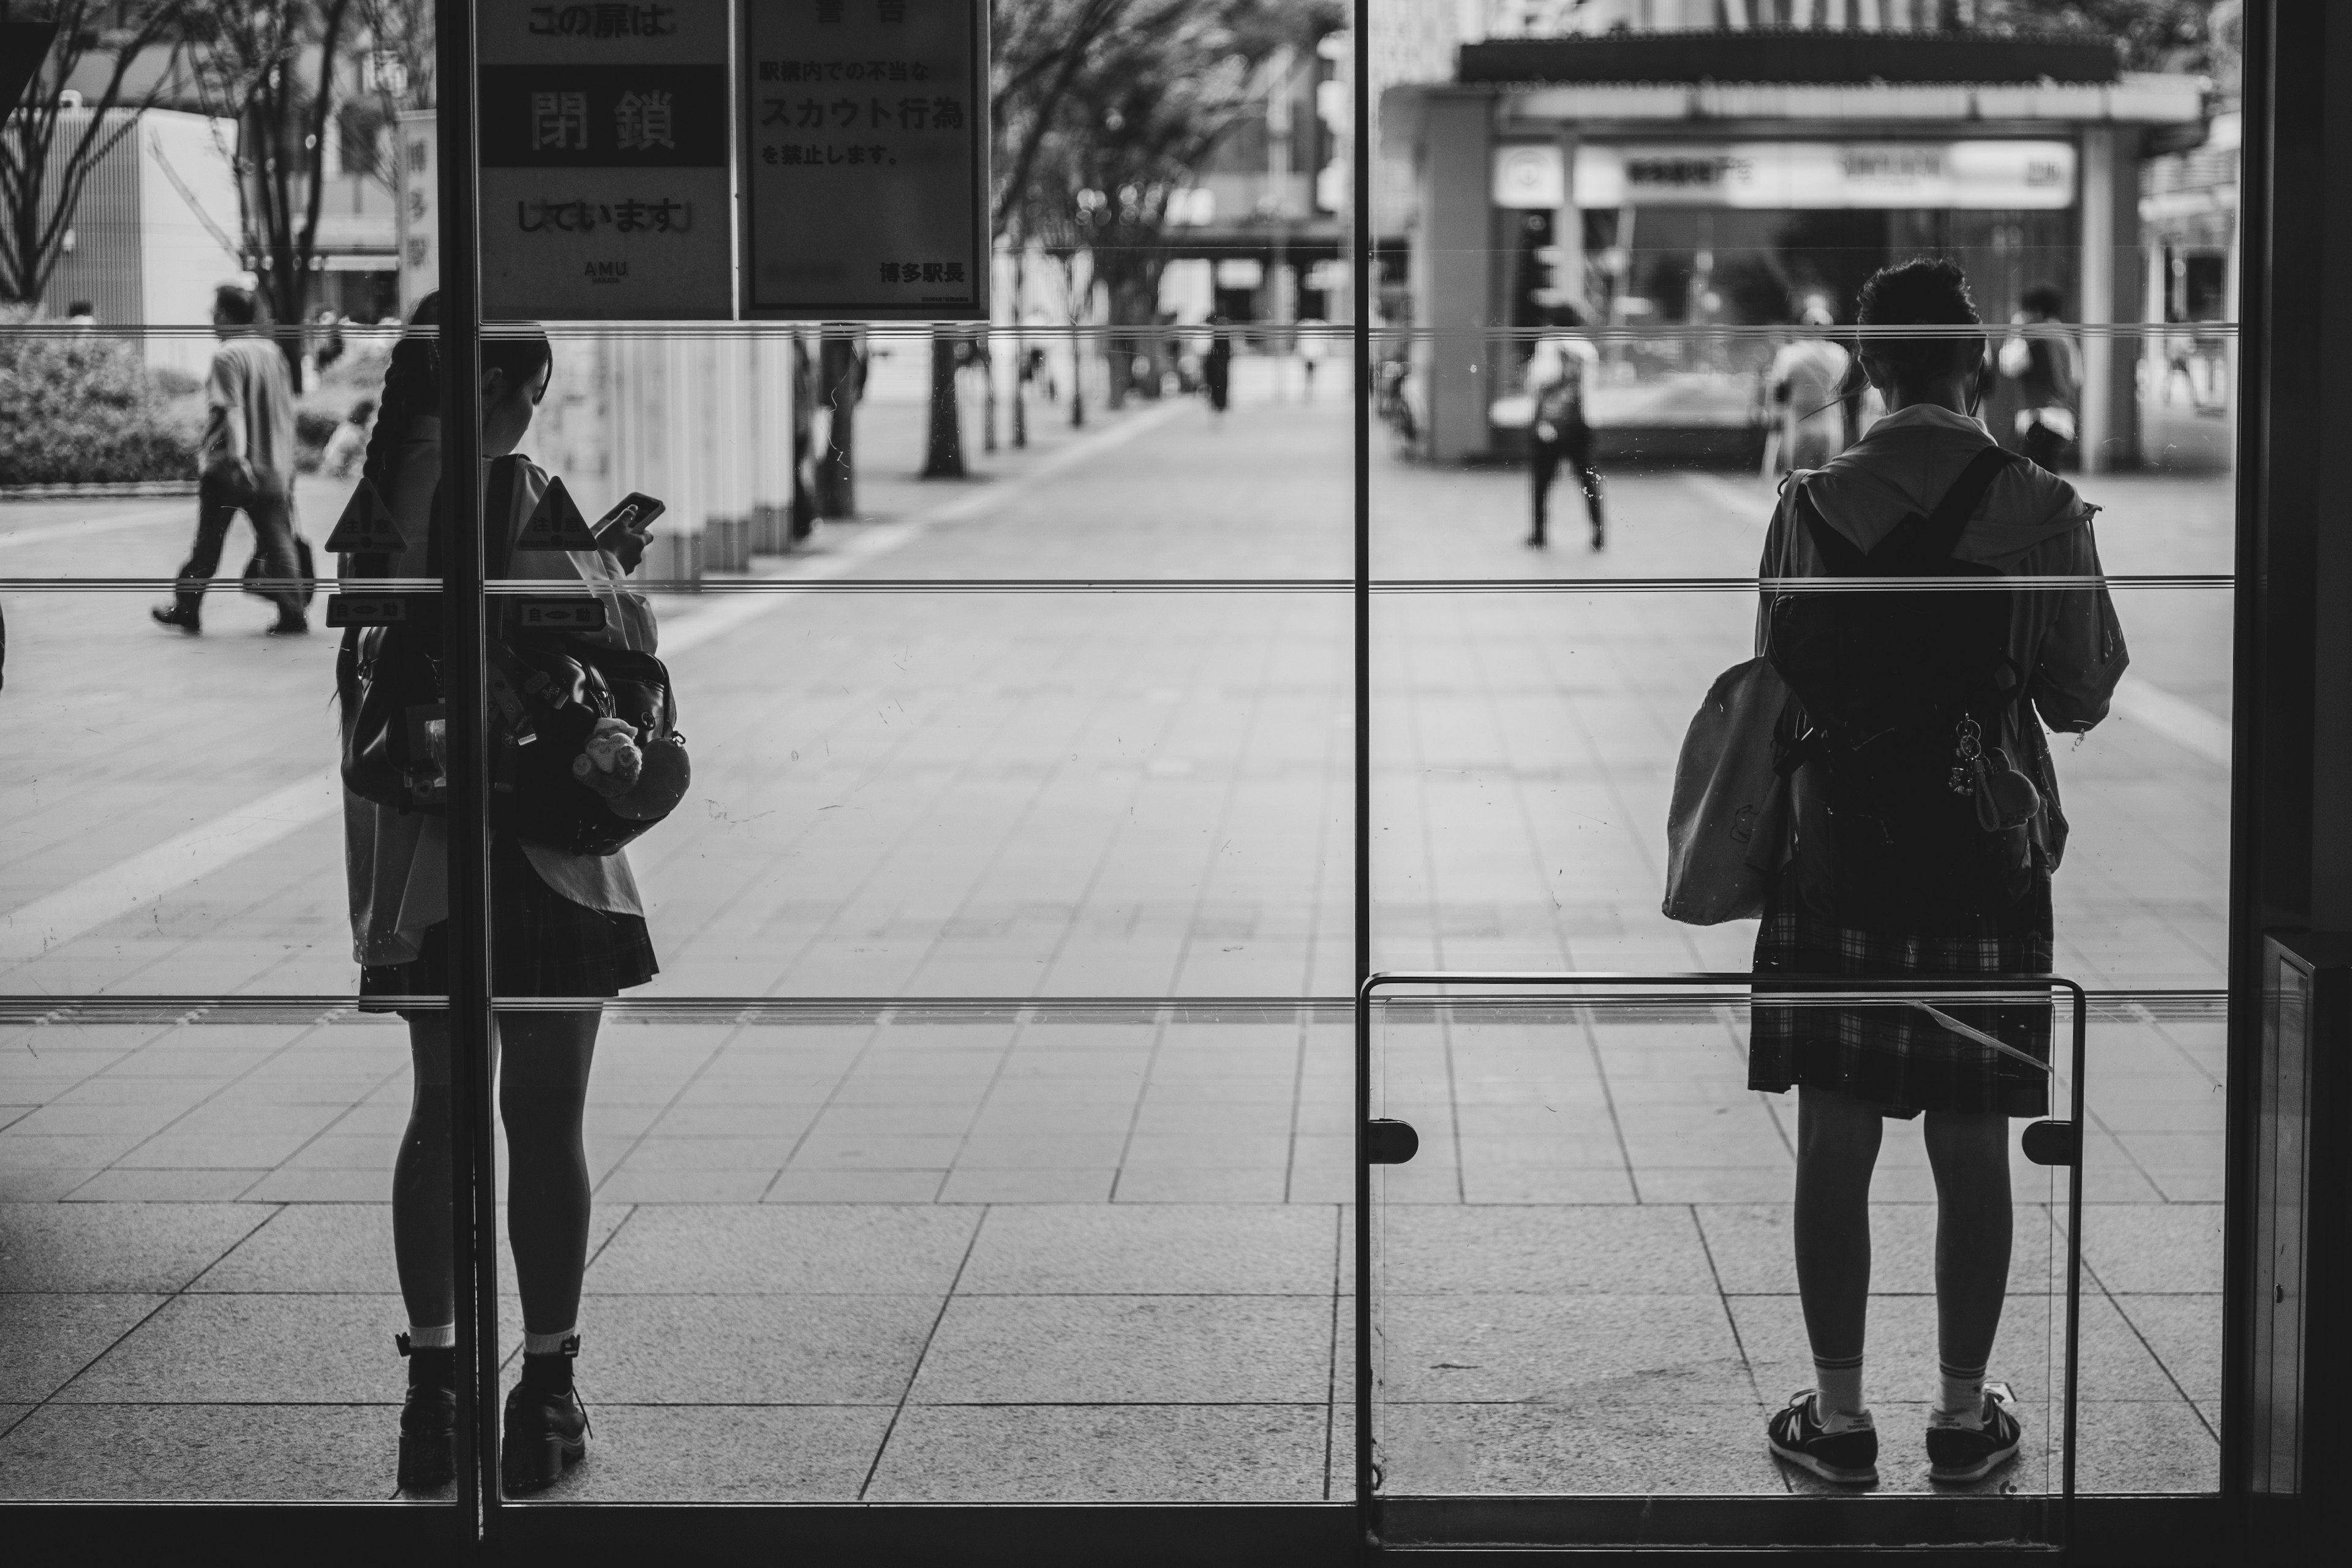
(1969, 1151)
(1837, 1147)
(542, 1096)
(420, 1180)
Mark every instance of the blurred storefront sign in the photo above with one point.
(1979, 175)
(605, 180)
(865, 159)
(418, 185)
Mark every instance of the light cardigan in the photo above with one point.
(396, 862)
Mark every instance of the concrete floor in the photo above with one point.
(1065, 1251)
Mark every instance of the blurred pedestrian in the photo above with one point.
(1560, 385)
(1924, 828)
(2040, 356)
(1217, 368)
(244, 463)
(1806, 378)
(81, 313)
(348, 445)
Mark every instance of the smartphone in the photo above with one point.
(635, 514)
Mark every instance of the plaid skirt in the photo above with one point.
(1893, 1055)
(542, 943)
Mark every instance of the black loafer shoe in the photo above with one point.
(177, 619)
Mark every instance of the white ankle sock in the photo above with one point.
(433, 1336)
(1839, 1381)
(546, 1344)
(1959, 1398)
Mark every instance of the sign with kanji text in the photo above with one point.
(419, 229)
(605, 180)
(864, 150)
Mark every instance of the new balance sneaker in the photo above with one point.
(1849, 1459)
(1960, 1453)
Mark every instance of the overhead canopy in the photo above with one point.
(1793, 54)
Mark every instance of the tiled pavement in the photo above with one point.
(1069, 1253)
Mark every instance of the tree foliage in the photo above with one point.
(272, 65)
(2153, 35)
(46, 155)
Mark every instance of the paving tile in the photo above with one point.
(343, 1249)
(855, 1187)
(733, 1186)
(724, 1453)
(1560, 1350)
(45, 1339)
(1221, 1249)
(1753, 1249)
(289, 1185)
(1546, 1184)
(121, 1246)
(202, 1452)
(1065, 1152)
(1098, 1453)
(2028, 1354)
(1600, 1249)
(865, 1152)
(863, 1249)
(2156, 1447)
(2154, 1247)
(763, 1350)
(1023, 1185)
(264, 1348)
(2185, 1334)
(1192, 1184)
(1032, 1350)
(1577, 1448)
(130, 1183)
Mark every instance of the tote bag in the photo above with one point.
(1724, 828)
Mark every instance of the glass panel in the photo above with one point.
(201, 1131)
(1056, 1252)
(1585, 1288)
(197, 1286)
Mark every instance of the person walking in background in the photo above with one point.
(1217, 369)
(1559, 384)
(2040, 357)
(244, 463)
(1925, 828)
(1807, 382)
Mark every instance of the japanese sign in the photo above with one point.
(864, 158)
(419, 191)
(604, 179)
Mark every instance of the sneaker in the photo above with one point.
(1959, 1454)
(178, 618)
(546, 1432)
(1849, 1459)
(428, 1435)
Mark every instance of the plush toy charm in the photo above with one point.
(610, 762)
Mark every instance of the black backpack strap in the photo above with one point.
(1940, 534)
(1840, 554)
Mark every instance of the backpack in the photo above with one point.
(547, 691)
(1905, 808)
(1561, 404)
